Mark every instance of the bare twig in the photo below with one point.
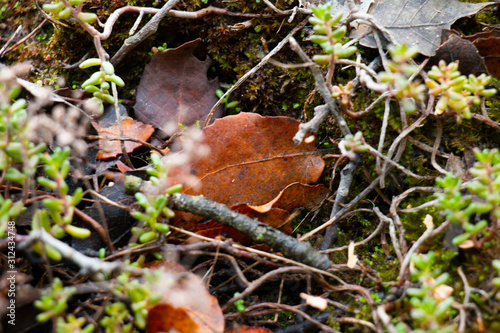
(346, 208)
(381, 141)
(486, 120)
(294, 309)
(463, 315)
(398, 140)
(14, 35)
(348, 172)
(437, 142)
(321, 112)
(386, 319)
(259, 232)
(87, 264)
(346, 178)
(256, 283)
(406, 262)
(397, 165)
(258, 255)
(363, 242)
(251, 72)
(148, 30)
(425, 147)
(392, 232)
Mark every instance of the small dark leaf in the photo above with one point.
(174, 88)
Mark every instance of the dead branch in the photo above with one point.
(363, 242)
(346, 208)
(346, 178)
(148, 30)
(322, 88)
(258, 232)
(87, 264)
(321, 112)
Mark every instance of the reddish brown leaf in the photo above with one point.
(123, 167)
(255, 168)
(131, 128)
(252, 159)
(186, 307)
(164, 317)
(174, 88)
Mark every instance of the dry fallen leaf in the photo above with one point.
(186, 307)
(456, 48)
(254, 162)
(174, 89)
(488, 46)
(418, 22)
(252, 159)
(131, 128)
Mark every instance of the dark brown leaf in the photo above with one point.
(488, 46)
(174, 88)
(456, 48)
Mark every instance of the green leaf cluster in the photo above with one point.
(327, 36)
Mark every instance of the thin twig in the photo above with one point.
(256, 283)
(437, 142)
(363, 242)
(322, 88)
(463, 315)
(149, 29)
(271, 256)
(397, 141)
(87, 264)
(404, 265)
(14, 35)
(381, 141)
(392, 232)
(397, 165)
(347, 207)
(251, 72)
(258, 232)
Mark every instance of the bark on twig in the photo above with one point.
(87, 264)
(322, 88)
(346, 178)
(347, 173)
(258, 232)
(312, 126)
(148, 30)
